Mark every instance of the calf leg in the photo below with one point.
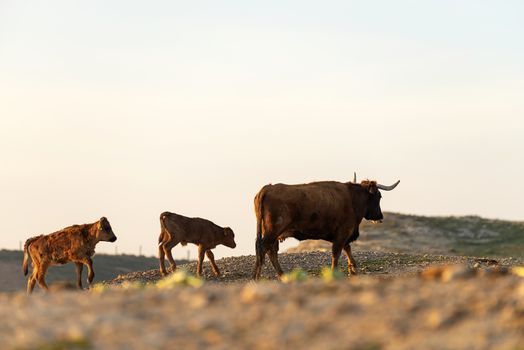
(32, 279)
(90, 271)
(201, 252)
(41, 276)
(273, 257)
(352, 264)
(211, 258)
(79, 268)
(167, 249)
(161, 255)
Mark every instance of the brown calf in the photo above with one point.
(176, 229)
(72, 244)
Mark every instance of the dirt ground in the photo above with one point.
(398, 301)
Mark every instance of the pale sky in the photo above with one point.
(127, 108)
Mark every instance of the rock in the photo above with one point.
(256, 292)
(456, 272)
(447, 273)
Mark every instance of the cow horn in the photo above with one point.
(388, 188)
(354, 177)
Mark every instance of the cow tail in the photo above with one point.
(26, 253)
(259, 212)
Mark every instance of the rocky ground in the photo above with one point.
(399, 301)
(372, 263)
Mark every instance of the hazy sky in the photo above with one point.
(130, 108)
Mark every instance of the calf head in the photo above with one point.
(104, 231)
(229, 238)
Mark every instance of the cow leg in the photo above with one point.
(211, 258)
(41, 276)
(352, 264)
(201, 253)
(90, 271)
(336, 250)
(79, 268)
(273, 257)
(261, 257)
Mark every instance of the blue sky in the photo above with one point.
(127, 109)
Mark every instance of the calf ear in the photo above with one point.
(227, 231)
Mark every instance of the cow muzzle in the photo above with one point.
(112, 239)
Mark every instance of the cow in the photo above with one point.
(175, 228)
(327, 210)
(72, 244)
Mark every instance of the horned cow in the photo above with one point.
(326, 210)
(71, 244)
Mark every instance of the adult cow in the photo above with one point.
(327, 210)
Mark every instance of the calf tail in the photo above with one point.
(163, 231)
(26, 253)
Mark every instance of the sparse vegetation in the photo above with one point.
(398, 296)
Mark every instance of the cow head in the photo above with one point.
(373, 211)
(104, 231)
(229, 238)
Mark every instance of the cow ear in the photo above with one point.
(372, 187)
(227, 231)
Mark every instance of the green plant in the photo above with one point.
(296, 275)
(179, 278)
(329, 275)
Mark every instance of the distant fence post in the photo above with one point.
(140, 250)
